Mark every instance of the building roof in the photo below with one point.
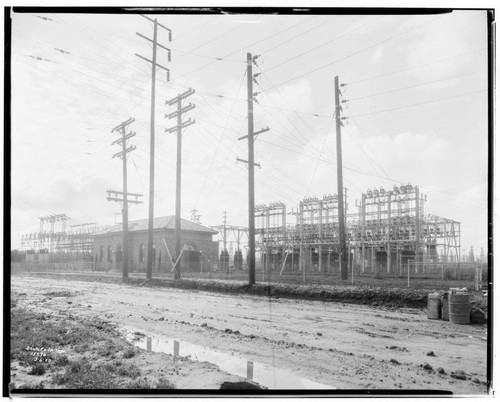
(164, 222)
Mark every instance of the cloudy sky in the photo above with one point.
(416, 92)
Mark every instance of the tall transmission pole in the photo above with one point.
(180, 125)
(154, 65)
(340, 184)
(251, 165)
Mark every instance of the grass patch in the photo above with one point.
(158, 383)
(62, 293)
(77, 353)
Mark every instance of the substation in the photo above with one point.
(78, 240)
(388, 231)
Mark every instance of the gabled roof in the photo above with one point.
(164, 222)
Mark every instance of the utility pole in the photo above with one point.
(225, 242)
(122, 127)
(124, 198)
(180, 125)
(340, 184)
(251, 164)
(154, 65)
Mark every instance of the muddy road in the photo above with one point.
(334, 344)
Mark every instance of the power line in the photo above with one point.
(218, 143)
(416, 85)
(330, 163)
(416, 67)
(421, 103)
(215, 38)
(263, 105)
(352, 54)
(376, 161)
(246, 46)
(321, 152)
(286, 101)
(323, 44)
(177, 37)
(296, 36)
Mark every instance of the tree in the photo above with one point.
(17, 256)
(471, 254)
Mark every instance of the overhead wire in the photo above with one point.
(376, 163)
(288, 104)
(297, 36)
(422, 103)
(352, 54)
(323, 44)
(415, 85)
(350, 168)
(246, 47)
(218, 144)
(391, 109)
(415, 67)
(321, 152)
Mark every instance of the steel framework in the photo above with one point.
(76, 240)
(389, 229)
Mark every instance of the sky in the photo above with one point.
(416, 105)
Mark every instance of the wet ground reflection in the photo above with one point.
(263, 374)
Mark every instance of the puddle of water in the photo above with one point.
(263, 374)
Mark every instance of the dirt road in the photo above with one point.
(343, 346)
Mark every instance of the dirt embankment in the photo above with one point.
(389, 297)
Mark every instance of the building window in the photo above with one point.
(101, 254)
(142, 253)
(154, 253)
(119, 253)
(110, 254)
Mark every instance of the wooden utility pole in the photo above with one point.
(224, 262)
(125, 199)
(251, 164)
(154, 65)
(178, 128)
(123, 154)
(340, 184)
(251, 180)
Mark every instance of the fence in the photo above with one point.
(60, 263)
(411, 274)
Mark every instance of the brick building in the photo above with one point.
(200, 251)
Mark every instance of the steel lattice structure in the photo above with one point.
(77, 240)
(389, 229)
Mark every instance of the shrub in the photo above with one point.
(61, 360)
(129, 353)
(130, 370)
(37, 369)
